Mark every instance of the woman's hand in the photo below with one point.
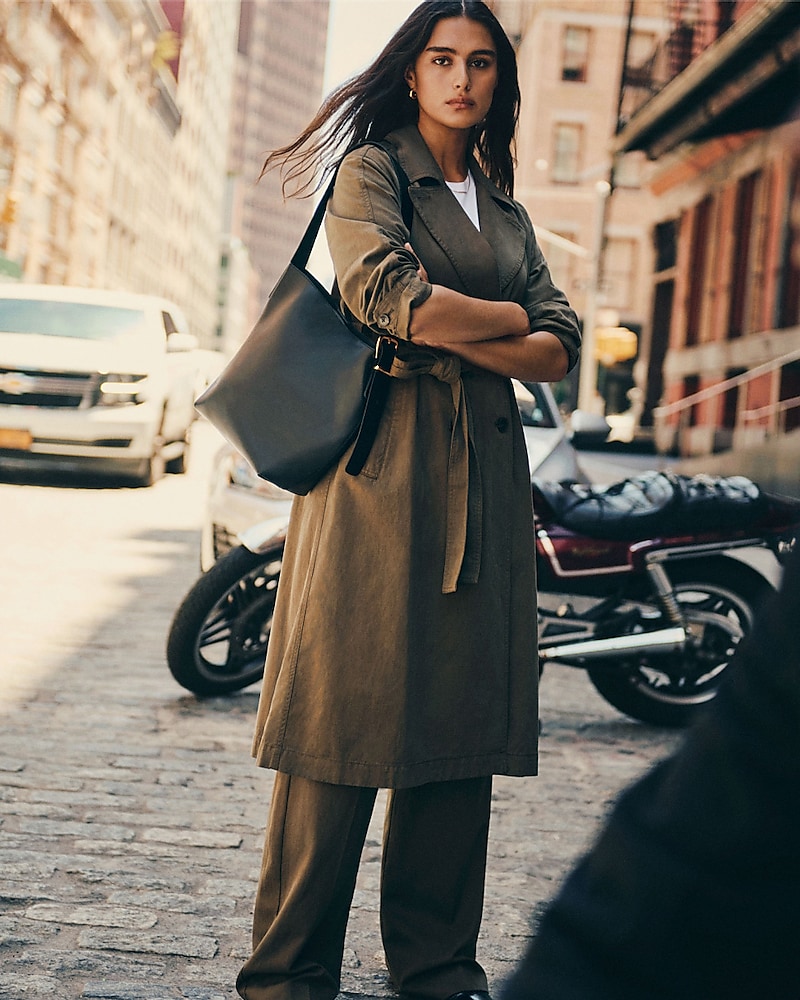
(422, 274)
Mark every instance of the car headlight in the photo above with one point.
(119, 390)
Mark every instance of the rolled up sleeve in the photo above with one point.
(376, 275)
(546, 305)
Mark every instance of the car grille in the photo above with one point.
(57, 390)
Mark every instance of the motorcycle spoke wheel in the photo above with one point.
(719, 604)
(219, 635)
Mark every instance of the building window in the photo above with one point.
(789, 301)
(740, 262)
(730, 400)
(567, 144)
(691, 385)
(665, 243)
(575, 54)
(697, 277)
(789, 391)
(641, 58)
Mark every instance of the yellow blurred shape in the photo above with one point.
(613, 344)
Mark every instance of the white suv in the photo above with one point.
(97, 379)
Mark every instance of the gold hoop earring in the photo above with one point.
(412, 94)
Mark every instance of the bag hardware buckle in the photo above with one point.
(385, 353)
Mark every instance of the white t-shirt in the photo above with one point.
(467, 197)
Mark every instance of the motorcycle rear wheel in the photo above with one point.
(721, 597)
(218, 638)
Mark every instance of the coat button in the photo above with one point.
(501, 424)
(384, 320)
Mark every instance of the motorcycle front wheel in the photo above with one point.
(718, 599)
(218, 638)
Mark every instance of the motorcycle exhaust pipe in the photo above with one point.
(665, 640)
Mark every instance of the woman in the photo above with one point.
(403, 650)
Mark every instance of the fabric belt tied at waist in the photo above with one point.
(462, 558)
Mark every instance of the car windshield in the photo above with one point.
(533, 407)
(82, 320)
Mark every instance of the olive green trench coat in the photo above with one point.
(403, 646)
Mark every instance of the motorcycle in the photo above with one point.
(648, 585)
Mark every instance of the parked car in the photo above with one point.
(238, 498)
(95, 379)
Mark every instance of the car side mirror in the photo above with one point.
(181, 342)
(588, 430)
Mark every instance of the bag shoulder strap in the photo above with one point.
(406, 207)
(303, 252)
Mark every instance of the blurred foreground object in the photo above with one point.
(692, 891)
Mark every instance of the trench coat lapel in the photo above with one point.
(467, 249)
(500, 228)
(484, 260)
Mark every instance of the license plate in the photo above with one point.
(15, 438)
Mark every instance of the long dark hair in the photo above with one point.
(376, 102)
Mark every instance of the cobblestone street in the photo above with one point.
(131, 814)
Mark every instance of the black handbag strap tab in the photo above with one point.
(374, 403)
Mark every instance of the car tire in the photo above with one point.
(180, 464)
(151, 469)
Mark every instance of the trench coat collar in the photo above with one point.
(468, 249)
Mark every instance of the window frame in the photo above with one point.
(575, 57)
(561, 173)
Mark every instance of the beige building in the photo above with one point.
(279, 75)
(592, 221)
(113, 171)
(196, 186)
(59, 121)
(128, 160)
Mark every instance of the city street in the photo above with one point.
(131, 814)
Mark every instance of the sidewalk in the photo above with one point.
(131, 840)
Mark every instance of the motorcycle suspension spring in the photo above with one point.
(665, 593)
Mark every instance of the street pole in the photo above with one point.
(587, 380)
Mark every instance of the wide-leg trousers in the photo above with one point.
(432, 883)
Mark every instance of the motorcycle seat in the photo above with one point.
(652, 503)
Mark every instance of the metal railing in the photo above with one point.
(771, 417)
(779, 410)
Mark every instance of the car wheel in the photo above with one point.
(180, 464)
(151, 469)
